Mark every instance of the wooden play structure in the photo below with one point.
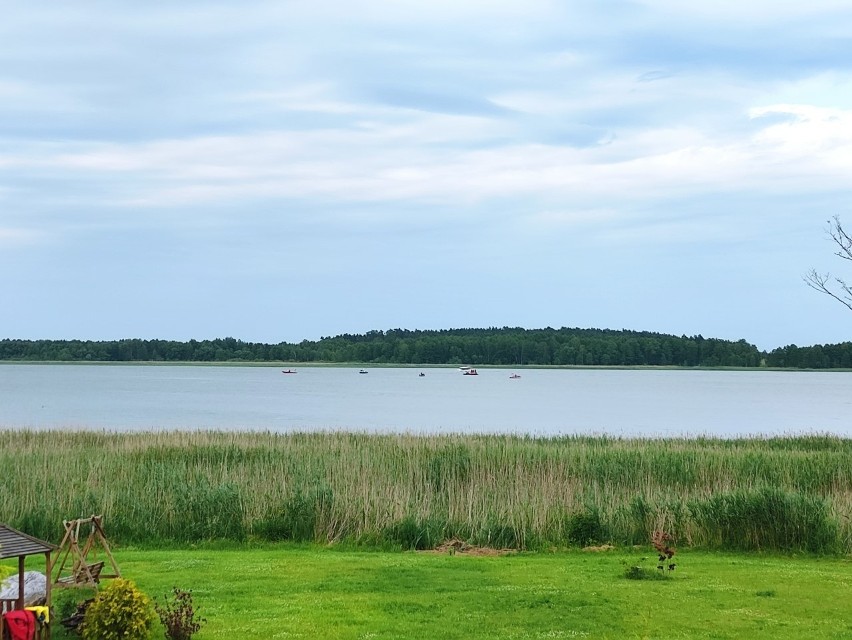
(15, 544)
(85, 569)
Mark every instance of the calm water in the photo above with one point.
(541, 402)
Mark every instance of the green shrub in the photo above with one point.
(413, 534)
(638, 572)
(297, 519)
(585, 528)
(768, 518)
(502, 535)
(119, 612)
(65, 601)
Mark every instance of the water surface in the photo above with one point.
(541, 402)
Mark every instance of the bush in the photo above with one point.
(412, 534)
(768, 518)
(297, 519)
(502, 535)
(637, 572)
(178, 615)
(585, 528)
(66, 601)
(119, 612)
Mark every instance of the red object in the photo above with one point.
(21, 624)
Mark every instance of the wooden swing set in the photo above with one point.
(83, 570)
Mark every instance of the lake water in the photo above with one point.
(541, 402)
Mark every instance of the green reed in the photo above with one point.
(792, 493)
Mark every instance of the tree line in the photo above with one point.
(505, 346)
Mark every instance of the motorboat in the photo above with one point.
(514, 376)
(470, 372)
(289, 371)
(363, 371)
(421, 375)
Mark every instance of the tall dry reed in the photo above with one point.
(792, 493)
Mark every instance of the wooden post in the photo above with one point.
(20, 582)
(47, 591)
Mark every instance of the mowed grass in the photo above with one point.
(319, 592)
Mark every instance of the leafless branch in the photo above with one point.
(822, 283)
(841, 239)
(825, 283)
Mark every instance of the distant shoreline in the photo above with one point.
(391, 365)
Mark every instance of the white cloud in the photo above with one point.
(11, 238)
(449, 159)
(760, 11)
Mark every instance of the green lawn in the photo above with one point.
(314, 592)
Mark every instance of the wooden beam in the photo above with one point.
(20, 582)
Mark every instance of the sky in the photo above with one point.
(282, 171)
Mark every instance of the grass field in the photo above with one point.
(198, 510)
(291, 591)
(407, 491)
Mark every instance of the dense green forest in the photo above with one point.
(495, 346)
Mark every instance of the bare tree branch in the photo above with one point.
(824, 283)
(841, 239)
(821, 283)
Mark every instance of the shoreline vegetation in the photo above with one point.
(390, 365)
(404, 491)
(507, 346)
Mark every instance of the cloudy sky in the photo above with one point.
(279, 171)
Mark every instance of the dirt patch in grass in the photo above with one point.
(603, 547)
(455, 546)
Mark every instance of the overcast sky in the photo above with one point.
(280, 171)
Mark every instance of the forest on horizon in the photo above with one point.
(508, 346)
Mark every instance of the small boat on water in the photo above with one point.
(470, 372)
(421, 375)
(514, 376)
(464, 368)
(289, 371)
(363, 371)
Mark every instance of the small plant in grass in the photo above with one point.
(661, 542)
(665, 552)
(119, 612)
(638, 572)
(178, 615)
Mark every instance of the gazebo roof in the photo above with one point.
(14, 544)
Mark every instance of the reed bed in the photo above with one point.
(413, 491)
